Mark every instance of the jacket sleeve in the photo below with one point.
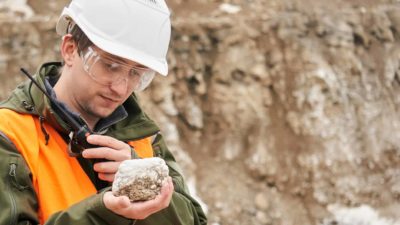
(183, 209)
(19, 204)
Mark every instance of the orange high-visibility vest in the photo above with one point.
(58, 179)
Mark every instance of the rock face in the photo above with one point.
(140, 179)
(279, 109)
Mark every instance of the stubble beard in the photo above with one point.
(92, 114)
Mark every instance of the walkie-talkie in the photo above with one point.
(79, 131)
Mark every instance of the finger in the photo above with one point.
(147, 207)
(107, 176)
(168, 184)
(166, 192)
(106, 167)
(105, 153)
(171, 191)
(122, 206)
(106, 141)
(115, 203)
(158, 202)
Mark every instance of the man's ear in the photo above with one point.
(68, 48)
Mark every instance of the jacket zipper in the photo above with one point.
(13, 216)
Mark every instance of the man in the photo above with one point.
(110, 50)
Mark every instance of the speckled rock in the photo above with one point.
(140, 179)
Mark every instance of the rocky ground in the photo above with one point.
(281, 112)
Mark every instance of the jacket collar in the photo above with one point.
(101, 126)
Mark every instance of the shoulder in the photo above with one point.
(18, 100)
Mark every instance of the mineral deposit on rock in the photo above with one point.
(140, 179)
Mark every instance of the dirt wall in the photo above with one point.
(281, 112)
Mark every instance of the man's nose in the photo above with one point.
(119, 86)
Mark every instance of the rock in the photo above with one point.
(263, 218)
(229, 8)
(140, 179)
(361, 215)
(261, 201)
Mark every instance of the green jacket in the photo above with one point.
(18, 201)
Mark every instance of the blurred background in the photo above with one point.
(281, 112)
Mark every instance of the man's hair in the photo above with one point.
(80, 38)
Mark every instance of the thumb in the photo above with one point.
(115, 203)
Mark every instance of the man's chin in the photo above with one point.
(104, 110)
(105, 114)
(102, 113)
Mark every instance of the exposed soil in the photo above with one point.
(283, 112)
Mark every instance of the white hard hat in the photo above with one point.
(138, 30)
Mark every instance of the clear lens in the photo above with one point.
(107, 71)
(145, 80)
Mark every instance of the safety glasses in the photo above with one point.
(109, 71)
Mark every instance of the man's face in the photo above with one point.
(94, 99)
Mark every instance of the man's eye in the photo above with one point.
(113, 67)
(134, 73)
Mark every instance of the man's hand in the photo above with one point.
(139, 210)
(113, 150)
